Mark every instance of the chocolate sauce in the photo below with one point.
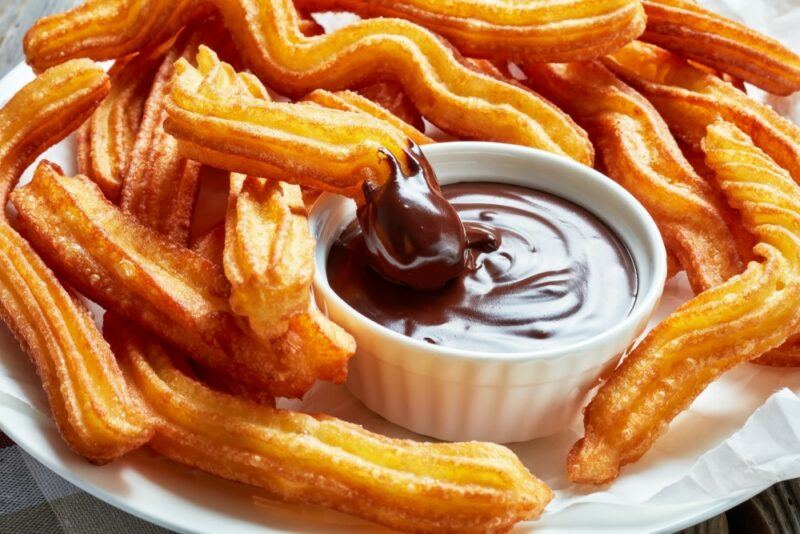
(412, 235)
(540, 272)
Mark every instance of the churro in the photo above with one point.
(132, 271)
(735, 322)
(321, 460)
(268, 255)
(105, 141)
(456, 98)
(89, 399)
(690, 99)
(108, 29)
(160, 185)
(306, 143)
(542, 31)
(697, 33)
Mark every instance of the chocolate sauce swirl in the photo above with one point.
(539, 272)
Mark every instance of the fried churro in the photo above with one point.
(702, 35)
(445, 90)
(350, 101)
(106, 141)
(306, 144)
(324, 338)
(639, 152)
(542, 31)
(132, 271)
(108, 29)
(268, 255)
(321, 460)
(690, 99)
(268, 248)
(160, 185)
(89, 399)
(735, 322)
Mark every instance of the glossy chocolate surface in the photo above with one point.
(412, 235)
(540, 272)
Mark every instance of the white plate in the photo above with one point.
(186, 500)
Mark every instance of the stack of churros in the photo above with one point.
(200, 338)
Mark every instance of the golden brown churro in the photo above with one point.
(105, 141)
(350, 101)
(419, 487)
(268, 255)
(301, 143)
(108, 29)
(717, 330)
(269, 38)
(690, 99)
(697, 33)
(639, 152)
(160, 185)
(541, 31)
(88, 397)
(268, 247)
(139, 274)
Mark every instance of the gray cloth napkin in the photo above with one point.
(34, 500)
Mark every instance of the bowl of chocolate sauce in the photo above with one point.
(488, 287)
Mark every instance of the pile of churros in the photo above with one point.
(202, 334)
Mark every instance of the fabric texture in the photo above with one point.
(34, 500)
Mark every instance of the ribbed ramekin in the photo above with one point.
(461, 395)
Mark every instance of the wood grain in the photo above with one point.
(16, 16)
(774, 511)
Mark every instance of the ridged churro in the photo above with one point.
(717, 330)
(325, 338)
(136, 273)
(160, 185)
(350, 101)
(268, 35)
(106, 140)
(108, 29)
(697, 33)
(89, 399)
(306, 144)
(268, 255)
(268, 247)
(320, 460)
(541, 31)
(639, 152)
(690, 99)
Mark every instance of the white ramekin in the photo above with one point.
(461, 395)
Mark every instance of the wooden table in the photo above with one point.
(775, 511)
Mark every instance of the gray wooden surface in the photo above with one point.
(775, 511)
